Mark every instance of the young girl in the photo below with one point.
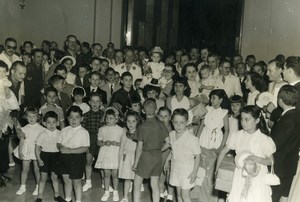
(252, 138)
(256, 85)
(164, 115)
(185, 156)
(127, 152)
(207, 81)
(236, 104)
(26, 149)
(109, 137)
(190, 72)
(78, 94)
(156, 65)
(212, 139)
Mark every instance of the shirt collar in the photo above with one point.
(285, 111)
(294, 83)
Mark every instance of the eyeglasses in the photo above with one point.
(11, 47)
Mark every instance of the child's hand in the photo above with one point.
(21, 134)
(134, 167)
(41, 163)
(166, 166)
(192, 177)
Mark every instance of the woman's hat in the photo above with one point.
(153, 85)
(264, 99)
(68, 57)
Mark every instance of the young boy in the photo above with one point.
(185, 156)
(151, 135)
(110, 86)
(286, 137)
(92, 121)
(73, 144)
(47, 154)
(82, 71)
(50, 95)
(95, 67)
(95, 80)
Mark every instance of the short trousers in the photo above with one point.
(51, 163)
(73, 165)
(150, 164)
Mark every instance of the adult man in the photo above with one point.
(213, 62)
(129, 66)
(240, 71)
(250, 61)
(17, 76)
(228, 82)
(195, 56)
(70, 46)
(8, 55)
(34, 79)
(97, 50)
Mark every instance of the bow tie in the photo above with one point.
(130, 135)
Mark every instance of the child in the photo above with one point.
(236, 104)
(152, 90)
(8, 99)
(190, 72)
(104, 64)
(26, 149)
(253, 138)
(69, 62)
(73, 143)
(185, 156)
(95, 67)
(207, 81)
(94, 83)
(78, 94)
(127, 152)
(156, 65)
(50, 95)
(286, 138)
(256, 85)
(164, 115)
(109, 137)
(166, 81)
(82, 71)
(92, 121)
(212, 139)
(151, 135)
(47, 154)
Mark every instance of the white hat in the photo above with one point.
(264, 99)
(69, 57)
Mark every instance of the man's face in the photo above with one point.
(71, 43)
(204, 54)
(119, 57)
(240, 69)
(62, 73)
(236, 60)
(10, 48)
(225, 69)
(82, 72)
(27, 47)
(213, 62)
(129, 56)
(95, 80)
(286, 73)
(273, 72)
(142, 55)
(127, 81)
(184, 60)
(97, 51)
(19, 73)
(250, 62)
(38, 57)
(194, 54)
(110, 53)
(110, 76)
(95, 65)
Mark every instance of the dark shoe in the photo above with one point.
(38, 200)
(2, 183)
(59, 199)
(161, 199)
(168, 200)
(6, 178)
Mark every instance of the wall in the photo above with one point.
(55, 19)
(271, 27)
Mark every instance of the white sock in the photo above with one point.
(68, 199)
(170, 197)
(88, 181)
(23, 186)
(162, 195)
(78, 201)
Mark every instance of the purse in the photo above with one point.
(271, 178)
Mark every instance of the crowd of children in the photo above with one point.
(134, 116)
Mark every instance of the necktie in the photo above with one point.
(93, 90)
(223, 79)
(111, 89)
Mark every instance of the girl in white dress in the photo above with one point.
(236, 105)
(212, 139)
(26, 149)
(252, 138)
(127, 152)
(109, 137)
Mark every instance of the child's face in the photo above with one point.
(110, 120)
(164, 117)
(179, 88)
(127, 81)
(78, 98)
(179, 123)
(131, 123)
(96, 65)
(215, 101)
(205, 73)
(95, 103)
(51, 123)
(168, 73)
(152, 94)
(236, 107)
(110, 76)
(51, 98)
(155, 57)
(95, 80)
(82, 72)
(26, 59)
(136, 107)
(103, 66)
(32, 117)
(3, 73)
(59, 85)
(117, 78)
(248, 122)
(137, 84)
(191, 73)
(74, 119)
(68, 64)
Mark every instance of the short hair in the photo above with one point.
(50, 89)
(165, 109)
(50, 114)
(71, 35)
(96, 44)
(84, 65)
(36, 50)
(78, 91)
(222, 62)
(205, 67)
(279, 64)
(110, 69)
(59, 54)
(74, 109)
(96, 94)
(215, 55)
(149, 101)
(181, 112)
(137, 80)
(294, 63)
(85, 44)
(60, 67)
(95, 58)
(54, 79)
(31, 109)
(46, 42)
(185, 54)
(3, 65)
(250, 56)
(258, 82)
(241, 63)
(95, 73)
(10, 39)
(15, 64)
(126, 74)
(183, 71)
(288, 94)
(103, 60)
(238, 55)
(236, 99)
(27, 42)
(280, 57)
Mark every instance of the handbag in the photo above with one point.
(271, 178)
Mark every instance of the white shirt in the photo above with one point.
(252, 97)
(74, 137)
(5, 59)
(135, 70)
(47, 140)
(232, 85)
(274, 89)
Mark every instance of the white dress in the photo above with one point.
(233, 127)
(7, 103)
(261, 146)
(157, 69)
(212, 135)
(31, 132)
(108, 157)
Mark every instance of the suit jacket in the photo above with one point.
(286, 137)
(243, 87)
(78, 81)
(99, 91)
(107, 89)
